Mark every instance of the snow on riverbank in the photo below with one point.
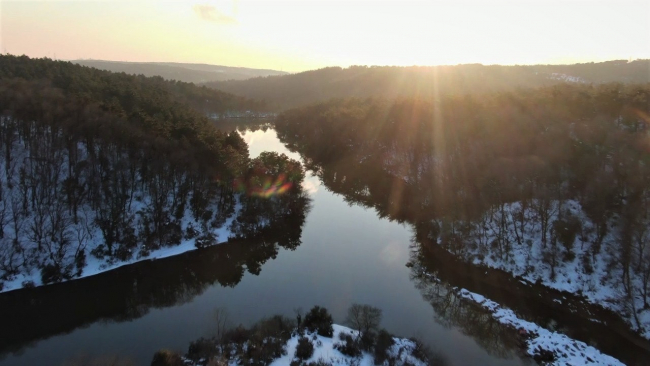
(510, 239)
(324, 351)
(566, 351)
(95, 265)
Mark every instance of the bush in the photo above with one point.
(80, 262)
(207, 239)
(305, 348)
(383, 343)
(237, 335)
(53, 273)
(275, 326)
(191, 232)
(166, 358)
(566, 229)
(201, 348)
(320, 321)
(367, 341)
(423, 353)
(349, 346)
(267, 340)
(586, 264)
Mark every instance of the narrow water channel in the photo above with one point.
(347, 255)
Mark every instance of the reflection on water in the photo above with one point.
(468, 317)
(362, 183)
(335, 252)
(130, 292)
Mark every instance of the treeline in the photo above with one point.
(189, 73)
(109, 165)
(500, 168)
(426, 82)
(122, 93)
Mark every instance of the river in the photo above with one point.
(347, 255)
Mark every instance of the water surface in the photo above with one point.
(347, 255)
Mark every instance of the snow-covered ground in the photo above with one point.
(592, 274)
(95, 265)
(52, 233)
(401, 353)
(324, 350)
(566, 351)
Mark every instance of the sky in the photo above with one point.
(302, 35)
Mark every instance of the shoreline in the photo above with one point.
(585, 321)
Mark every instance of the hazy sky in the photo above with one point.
(301, 35)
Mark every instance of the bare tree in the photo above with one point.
(299, 312)
(364, 318)
(220, 316)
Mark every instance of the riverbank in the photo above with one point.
(95, 265)
(403, 351)
(572, 258)
(436, 271)
(540, 343)
(535, 341)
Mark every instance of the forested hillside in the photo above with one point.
(550, 184)
(104, 167)
(126, 91)
(283, 92)
(189, 73)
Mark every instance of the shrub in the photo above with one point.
(51, 273)
(566, 229)
(586, 264)
(262, 351)
(349, 346)
(367, 341)
(201, 348)
(267, 340)
(191, 232)
(166, 358)
(275, 326)
(305, 348)
(80, 262)
(237, 335)
(424, 353)
(383, 343)
(205, 240)
(319, 320)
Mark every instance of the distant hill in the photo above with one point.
(281, 92)
(189, 73)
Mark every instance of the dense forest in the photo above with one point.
(119, 92)
(550, 184)
(110, 167)
(425, 82)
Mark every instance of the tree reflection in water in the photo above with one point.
(452, 311)
(130, 292)
(362, 181)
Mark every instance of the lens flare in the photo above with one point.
(269, 186)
